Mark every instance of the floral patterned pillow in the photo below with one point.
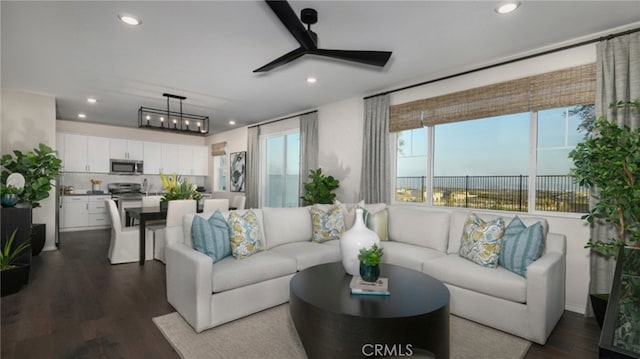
(327, 225)
(481, 241)
(245, 234)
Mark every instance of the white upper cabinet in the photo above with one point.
(125, 149)
(86, 154)
(192, 160)
(152, 158)
(169, 158)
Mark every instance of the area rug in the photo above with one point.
(272, 334)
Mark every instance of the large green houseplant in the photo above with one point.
(609, 160)
(38, 167)
(319, 189)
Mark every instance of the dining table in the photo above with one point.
(144, 214)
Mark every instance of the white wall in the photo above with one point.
(340, 127)
(27, 120)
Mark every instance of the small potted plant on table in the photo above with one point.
(370, 263)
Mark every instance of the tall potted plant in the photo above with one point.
(319, 189)
(39, 168)
(609, 161)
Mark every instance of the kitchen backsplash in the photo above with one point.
(81, 182)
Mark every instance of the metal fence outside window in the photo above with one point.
(556, 193)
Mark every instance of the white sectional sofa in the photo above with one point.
(422, 239)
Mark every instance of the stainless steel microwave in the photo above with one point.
(126, 167)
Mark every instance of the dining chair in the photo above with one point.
(238, 202)
(125, 242)
(210, 205)
(154, 225)
(175, 211)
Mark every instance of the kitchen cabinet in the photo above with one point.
(169, 158)
(86, 154)
(84, 212)
(60, 149)
(152, 158)
(192, 160)
(126, 149)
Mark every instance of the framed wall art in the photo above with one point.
(238, 171)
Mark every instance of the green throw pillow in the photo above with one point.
(521, 246)
(245, 233)
(327, 225)
(211, 236)
(377, 222)
(481, 241)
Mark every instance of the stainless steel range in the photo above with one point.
(126, 195)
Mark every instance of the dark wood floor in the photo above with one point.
(77, 305)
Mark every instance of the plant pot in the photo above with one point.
(9, 199)
(13, 279)
(599, 305)
(369, 273)
(38, 237)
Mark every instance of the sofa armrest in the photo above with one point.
(189, 284)
(546, 288)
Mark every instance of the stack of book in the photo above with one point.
(360, 287)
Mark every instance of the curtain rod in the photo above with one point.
(282, 119)
(567, 47)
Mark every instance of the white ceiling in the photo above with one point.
(207, 51)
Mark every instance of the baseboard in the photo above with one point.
(575, 308)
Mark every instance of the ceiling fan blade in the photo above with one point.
(286, 58)
(290, 20)
(375, 58)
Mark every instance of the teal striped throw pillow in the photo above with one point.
(521, 246)
(211, 236)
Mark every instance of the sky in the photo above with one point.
(493, 146)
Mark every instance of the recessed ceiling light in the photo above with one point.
(129, 19)
(232, 122)
(82, 115)
(91, 100)
(312, 80)
(507, 7)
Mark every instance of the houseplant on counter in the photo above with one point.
(370, 263)
(12, 274)
(608, 160)
(178, 188)
(319, 189)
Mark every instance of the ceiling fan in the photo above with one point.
(308, 40)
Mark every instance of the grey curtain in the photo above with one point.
(374, 184)
(253, 168)
(308, 148)
(617, 79)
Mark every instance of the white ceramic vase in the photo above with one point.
(359, 236)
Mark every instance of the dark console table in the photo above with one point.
(333, 323)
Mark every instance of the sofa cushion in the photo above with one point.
(349, 212)
(211, 236)
(245, 234)
(230, 273)
(327, 224)
(286, 225)
(481, 241)
(498, 282)
(309, 254)
(407, 255)
(521, 246)
(378, 222)
(419, 226)
(458, 217)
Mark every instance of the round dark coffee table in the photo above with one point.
(333, 323)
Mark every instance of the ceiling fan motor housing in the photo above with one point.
(309, 16)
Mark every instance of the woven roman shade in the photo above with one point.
(218, 149)
(573, 86)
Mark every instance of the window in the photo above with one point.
(281, 171)
(485, 163)
(220, 173)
